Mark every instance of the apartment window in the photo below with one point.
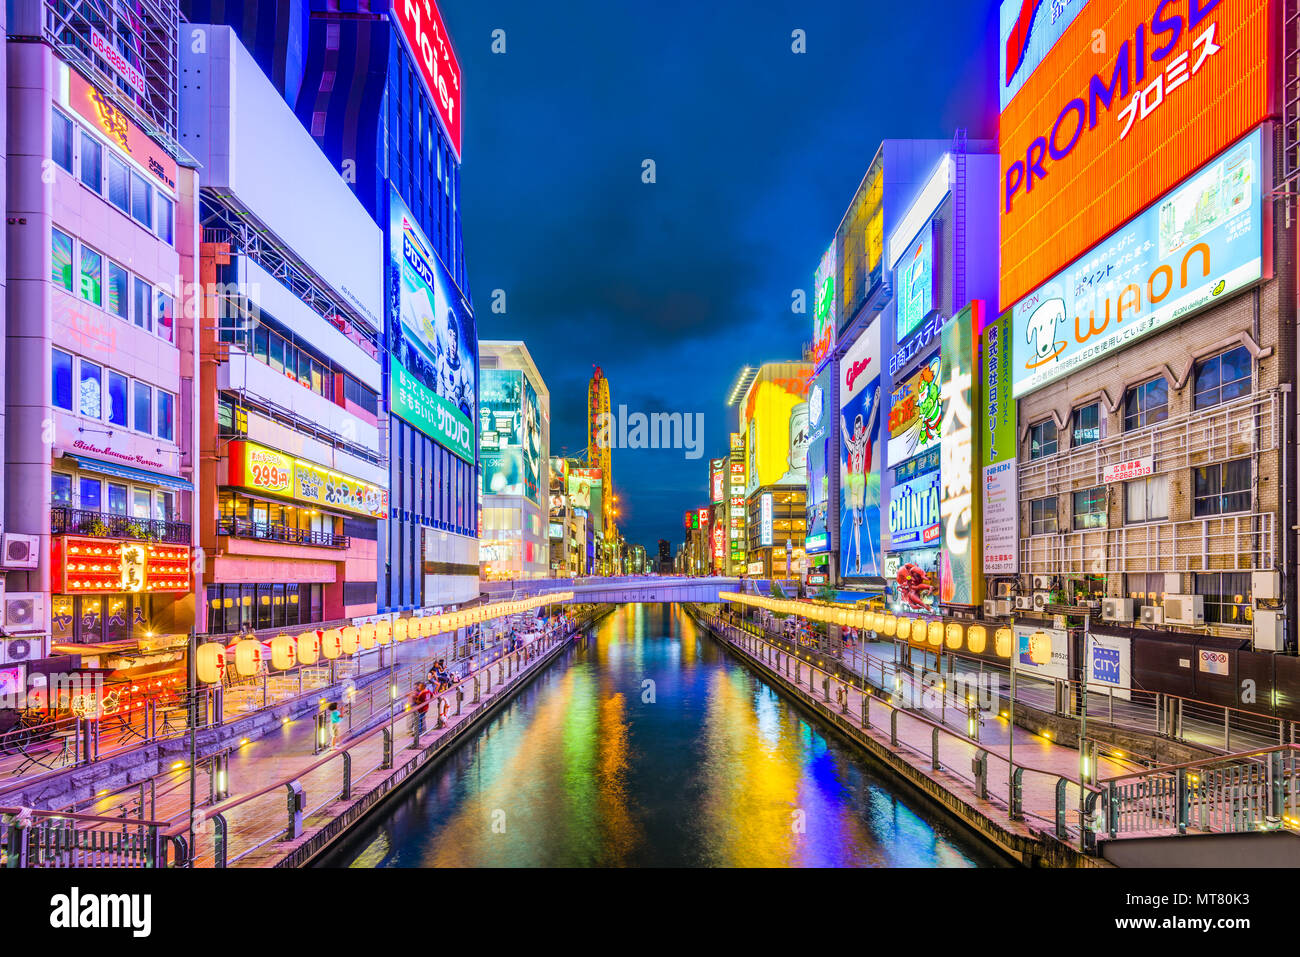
(141, 201)
(119, 184)
(164, 505)
(165, 316)
(1042, 439)
(1085, 425)
(1222, 488)
(119, 407)
(92, 162)
(61, 259)
(61, 384)
(116, 499)
(90, 390)
(92, 276)
(142, 303)
(1146, 588)
(143, 408)
(140, 499)
(1146, 500)
(1146, 404)
(91, 492)
(1042, 516)
(61, 140)
(1226, 597)
(119, 291)
(166, 401)
(1090, 508)
(60, 489)
(1222, 378)
(166, 223)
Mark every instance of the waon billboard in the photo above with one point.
(422, 27)
(1133, 97)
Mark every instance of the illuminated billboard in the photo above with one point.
(860, 456)
(438, 342)
(861, 241)
(776, 411)
(824, 311)
(717, 480)
(914, 505)
(581, 484)
(509, 434)
(998, 447)
(420, 24)
(915, 282)
(915, 413)
(1200, 242)
(1111, 107)
(960, 580)
(765, 519)
(820, 419)
(260, 469)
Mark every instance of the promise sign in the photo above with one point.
(1129, 100)
(422, 28)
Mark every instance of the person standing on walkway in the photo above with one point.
(420, 699)
(336, 725)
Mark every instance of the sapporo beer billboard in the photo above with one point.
(1131, 98)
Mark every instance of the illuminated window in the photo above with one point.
(141, 201)
(1227, 597)
(1042, 516)
(61, 368)
(61, 259)
(143, 408)
(166, 405)
(92, 276)
(1085, 425)
(1042, 439)
(90, 390)
(1090, 508)
(119, 406)
(119, 291)
(119, 184)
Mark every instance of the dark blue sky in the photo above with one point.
(673, 287)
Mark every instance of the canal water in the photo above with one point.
(650, 746)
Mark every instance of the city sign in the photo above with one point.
(259, 469)
(1198, 244)
(765, 519)
(1112, 106)
(421, 26)
(959, 506)
(1123, 471)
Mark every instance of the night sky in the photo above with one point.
(672, 287)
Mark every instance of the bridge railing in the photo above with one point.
(1251, 791)
(51, 839)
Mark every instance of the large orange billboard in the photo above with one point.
(1133, 97)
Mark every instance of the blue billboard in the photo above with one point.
(1199, 243)
(860, 456)
(914, 503)
(819, 444)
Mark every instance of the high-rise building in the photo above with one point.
(390, 124)
(600, 443)
(100, 421)
(515, 446)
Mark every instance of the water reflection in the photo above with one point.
(651, 747)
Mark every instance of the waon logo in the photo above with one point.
(422, 26)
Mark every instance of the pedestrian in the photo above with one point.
(420, 701)
(336, 725)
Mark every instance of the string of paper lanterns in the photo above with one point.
(247, 655)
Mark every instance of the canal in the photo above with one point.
(649, 746)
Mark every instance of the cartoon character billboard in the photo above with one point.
(915, 413)
(860, 456)
(436, 359)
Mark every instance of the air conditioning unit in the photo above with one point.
(14, 651)
(1003, 607)
(20, 551)
(1041, 600)
(1024, 603)
(1264, 586)
(1043, 582)
(1117, 609)
(1004, 589)
(24, 613)
(1268, 629)
(1153, 615)
(990, 608)
(1185, 609)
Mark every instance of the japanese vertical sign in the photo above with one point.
(958, 454)
(1001, 493)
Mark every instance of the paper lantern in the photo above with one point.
(284, 652)
(248, 657)
(428, 626)
(1002, 640)
(210, 662)
(331, 644)
(952, 636)
(383, 631)
(366, 636)
(891, 625)
(904, 628)
(308, 648)
(934, 633)
(977, 639)
(1040, 648)
(875, 621)
(348, 638)
(401, 629)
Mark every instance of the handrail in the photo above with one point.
(1203, 763)
(82, 818)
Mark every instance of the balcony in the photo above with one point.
(65, 520)
(1244, 542)
(1232, 430)
(282, 534)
